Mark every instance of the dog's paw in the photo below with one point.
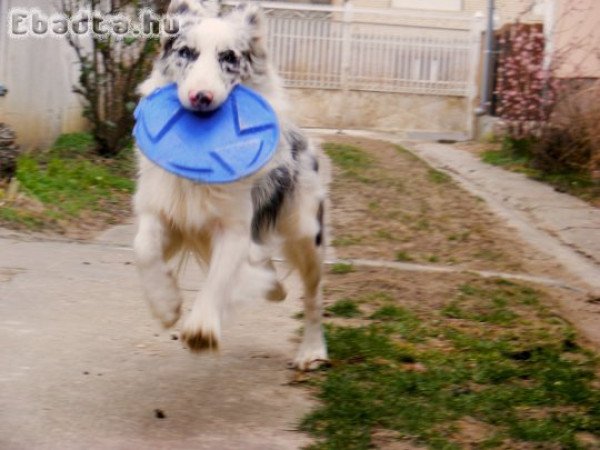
(200, 333)
(277, 293)
(200, 340)
(309, 359)
(167, 313)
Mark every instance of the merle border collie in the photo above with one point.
(232, 229)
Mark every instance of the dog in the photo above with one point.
(232, 229)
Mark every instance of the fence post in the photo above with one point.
(474, 56)
(346, 45)
(345, 64)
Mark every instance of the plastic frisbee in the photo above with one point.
(221, 146)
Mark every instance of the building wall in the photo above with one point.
(394, 112)
(39, 74)
(507, 10)
(576, 38)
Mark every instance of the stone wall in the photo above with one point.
(384, 111)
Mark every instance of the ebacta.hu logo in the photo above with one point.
(34, 23)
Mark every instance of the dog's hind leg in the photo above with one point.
(304, 254)
(260, 257)
(156, 243)
(277, 293)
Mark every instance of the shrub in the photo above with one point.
(552, 125)
(111, 69)
(571, 142)
(9, 152)
(524, 89)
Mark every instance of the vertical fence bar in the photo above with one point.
(346, 46)
(474, 55)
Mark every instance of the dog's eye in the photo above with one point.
(229, 57)
(187, 53)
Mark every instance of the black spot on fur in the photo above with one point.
(168, 47)
(268, 197)
(298, 142)
(252, 19)
(315, 164)
(320, 216)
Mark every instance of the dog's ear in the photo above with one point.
(200, 8)
(251, 18)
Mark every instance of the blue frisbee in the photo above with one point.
(221, 146)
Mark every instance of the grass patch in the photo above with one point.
(341, 268)
(352, 160)
(506, 159)
(492, 356)
(68, 184)
(344, 308)
(403, 256)
(438, 177)
(23, 219)
(517, 159)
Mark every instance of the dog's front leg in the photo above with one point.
(154, 244)
(202, 329)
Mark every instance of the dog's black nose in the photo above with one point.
(201, 98)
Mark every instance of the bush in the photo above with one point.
(9, 152)
(111, 69)
(524, 90)
(571, 142)
(554, 126)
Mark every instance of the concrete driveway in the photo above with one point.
(84, 366)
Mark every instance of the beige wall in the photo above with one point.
(507, 10)
(577, 39)
(397, 112)
(39, 74)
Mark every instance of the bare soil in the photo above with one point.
(401, 209)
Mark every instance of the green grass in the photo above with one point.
(517, 159)
(70, 186)
(437, 177)
(504, 362)
(344, 308)
(352, 160)
(403, 256)
(70, 182)
(341, 268)
(24, 219)
(505, 159)
(73, 145)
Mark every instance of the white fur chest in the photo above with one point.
(191, 206)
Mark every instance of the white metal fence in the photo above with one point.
(376, 50)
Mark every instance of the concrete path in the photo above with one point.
(84, 366)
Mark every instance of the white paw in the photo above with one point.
(202, 332)
(167, 313)
(311, 357)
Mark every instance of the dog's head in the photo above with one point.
(212, 53)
